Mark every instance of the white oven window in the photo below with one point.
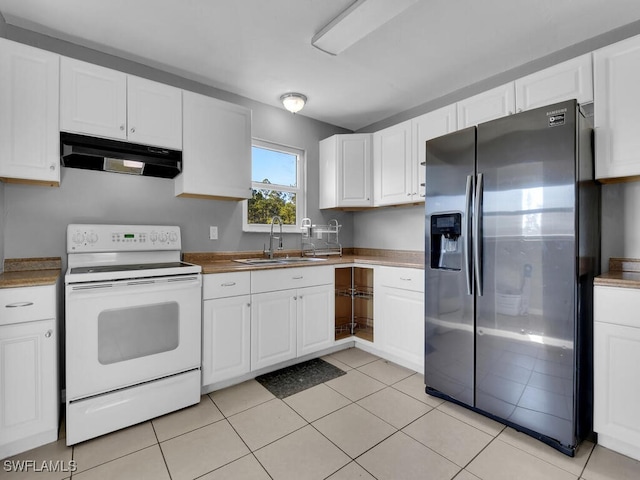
(134, 332)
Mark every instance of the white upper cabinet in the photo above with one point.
(495, 103)
(216, 151)
(106, 103)
(616, 105)
(93, 100)
(29, 98)
(567, 80)
(345, 171)
(154, 114)
(425, 127)
(392, 165)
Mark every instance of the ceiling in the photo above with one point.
(261, 49)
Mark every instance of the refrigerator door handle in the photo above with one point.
(468, 234)
(477, 233)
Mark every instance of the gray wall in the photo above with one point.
(399, 228)
(35, 218)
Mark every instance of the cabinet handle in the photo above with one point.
(405, 279)
(133, 129)
(48, 333)
(122, 127)
(295, 298)
(52, 167)
(19, 304)
(228, 284)
(298, 278)
(300, 297)
(248, 304)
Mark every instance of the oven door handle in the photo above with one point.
(137, 285)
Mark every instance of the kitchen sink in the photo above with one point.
(279, 261)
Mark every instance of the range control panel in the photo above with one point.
(84, 238)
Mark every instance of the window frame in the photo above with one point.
(300, 190)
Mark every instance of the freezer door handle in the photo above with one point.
(477, 233)
(467, 233)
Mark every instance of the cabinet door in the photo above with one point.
(392, 166)
(495, 103)
(154, 115)
(29, 133)
(93, 100)
(226, 338)
(345, 171)
(216, 149)
(425, 127)
(567, 80)
(617, 386)
(28, 375)
(273, 328)
(616, 106)
(402, 336)
(315, 307)
(354, 170)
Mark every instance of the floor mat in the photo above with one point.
(296, 378)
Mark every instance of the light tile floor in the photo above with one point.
(375, 422)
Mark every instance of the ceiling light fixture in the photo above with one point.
(293, 101)
(360, 19)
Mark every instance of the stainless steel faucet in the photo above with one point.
(269, 252)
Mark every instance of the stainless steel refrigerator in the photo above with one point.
(512, 245)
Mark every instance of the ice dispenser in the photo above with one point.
(446, 241)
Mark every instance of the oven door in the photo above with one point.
(127, 332)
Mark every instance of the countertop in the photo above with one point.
(30, 272)
(222, 262)
(623, 272)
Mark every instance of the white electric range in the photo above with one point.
(132, 327)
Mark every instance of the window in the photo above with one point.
(277, 176)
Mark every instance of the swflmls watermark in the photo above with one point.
(40, 466)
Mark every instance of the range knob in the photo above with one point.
(77, 237)
(173, 237)
(153, 236)
(162, 237)
(92, 237)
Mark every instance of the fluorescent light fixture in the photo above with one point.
(360, 19)
(293, 101)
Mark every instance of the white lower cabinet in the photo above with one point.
(273, 328)
(314, 315)
(226, 327)
(30, 400)
(293, 321)
(616, 380)
(400, 316)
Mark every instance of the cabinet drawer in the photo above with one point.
(405, 278)
(220, 285)
(26, 304)
(286, 278)
(616, 305)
